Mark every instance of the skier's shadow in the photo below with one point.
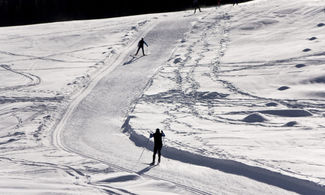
(133, 59)
(143, 171)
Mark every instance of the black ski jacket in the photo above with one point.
(141, 43)
(157, 138)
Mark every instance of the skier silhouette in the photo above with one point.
(141, 44)
(157, 144)
(196, 5)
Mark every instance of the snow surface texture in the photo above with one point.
(238, 91)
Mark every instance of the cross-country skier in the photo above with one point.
(158, 144)
(196, 5)
(141, 44)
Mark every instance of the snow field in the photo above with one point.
(238, 90)
(43, 67)
(242, 86)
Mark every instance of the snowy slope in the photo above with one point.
(252, 94)
(44, 67)
(237, 90)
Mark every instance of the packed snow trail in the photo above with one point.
(92, 128)
(235, 105)
(115, 94)
(258, 117)
(42, 66)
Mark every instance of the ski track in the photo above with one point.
(58, 130)
(49, 57)
(34, 79)
(187, 95)
(36, 111)
(68, 169)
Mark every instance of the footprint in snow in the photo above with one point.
(320, 24)
(300, 65)
(254, 118)
(177, 60)
(283, 88)
(271, 104)
(306, 50)
(312, 38)
(291, 124)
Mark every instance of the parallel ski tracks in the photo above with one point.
(78, 97)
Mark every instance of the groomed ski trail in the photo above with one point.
(97, 150)
(118, 60)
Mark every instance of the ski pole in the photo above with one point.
(143, 149)
(142, 152)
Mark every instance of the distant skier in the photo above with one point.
(196, 5)
(157, 144)
(141, 44)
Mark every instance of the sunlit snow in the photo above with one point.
(238, 90)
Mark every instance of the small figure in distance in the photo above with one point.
(157, 144)
(196, 5)
(141, 44)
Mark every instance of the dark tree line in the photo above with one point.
(18, 12)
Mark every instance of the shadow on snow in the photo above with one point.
(263, 175)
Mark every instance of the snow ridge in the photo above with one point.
(234, 123)
(229, 166)
(182, 99)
